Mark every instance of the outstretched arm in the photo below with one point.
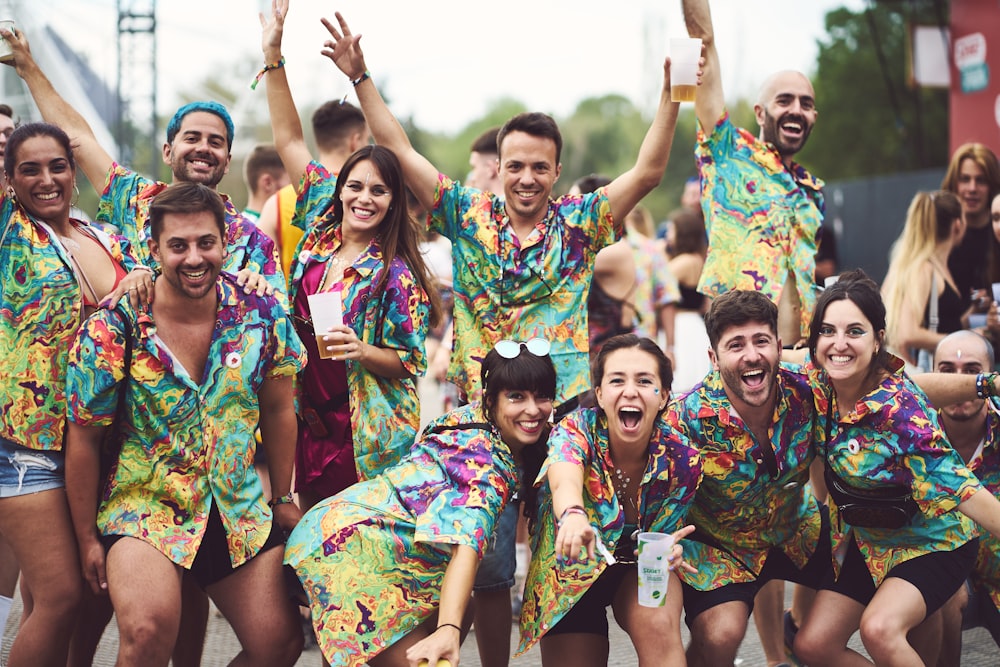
(625, 191)
(344, 49)
(285, 124)
(710, 101)
(90, 155)
(456, 589)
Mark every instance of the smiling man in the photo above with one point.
(762, 210)
(753, 421)
(199, 140)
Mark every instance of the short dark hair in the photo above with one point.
(590, 183)
(334, 122)
(533, 123)
(29, 131)
(174, 126)
(689, 232)
(486, 143)
(854, 286)
(526, 371)
(736, 308)
(263, 159)
(6, 110)
(628, 341)
(186, 197)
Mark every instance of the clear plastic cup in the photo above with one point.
(654, 573)
(326, 310)
(6, 54)
(685, 53)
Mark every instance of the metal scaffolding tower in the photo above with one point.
(136, 85)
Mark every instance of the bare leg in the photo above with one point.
(145, 588)
(50, 571)
(951, 628)
(768, 616)
(95, 614)
(897, 608)
(716, 634)
(493, 624)
(577, 649)
(655, 631)
(194, 625)
(822, 639)
(255, 602)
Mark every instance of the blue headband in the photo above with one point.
(211, 107)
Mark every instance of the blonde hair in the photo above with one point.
(641, 220)
(928, 222)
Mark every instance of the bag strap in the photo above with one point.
(441, 428)
(932, 315)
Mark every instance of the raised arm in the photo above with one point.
(344, 49)
(625, 191)
(285, 123)
(710, 101)
(90, 155)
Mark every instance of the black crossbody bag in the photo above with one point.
(889, 507)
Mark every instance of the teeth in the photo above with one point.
(196, 275)
(753, 373)
(46, 196)
(630, 409)
(839, 359)
(530, 426)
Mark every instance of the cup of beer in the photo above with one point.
(684, 56)
(326, 310)
(6, 54)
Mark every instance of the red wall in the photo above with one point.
(975, 116)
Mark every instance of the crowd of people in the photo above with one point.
(176, 428)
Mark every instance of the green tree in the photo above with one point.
(872, 121)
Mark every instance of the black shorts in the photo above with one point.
(777, 566)
(211, 563)
(590, 613)
(937, 575)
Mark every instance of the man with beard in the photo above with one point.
(199, 141)
(199, 372)
(974, 431)
(762, 210)
(753, 420)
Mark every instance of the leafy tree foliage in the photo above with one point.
(872, 121)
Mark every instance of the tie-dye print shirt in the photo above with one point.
(987, 468)
(40, 312)
(385, 412)
(667, 488)
(655, 285)
(742, 510)
(893, 437)
(504, 289)
(125, 205)
(372, 558)
(761, 218)
(188, 442)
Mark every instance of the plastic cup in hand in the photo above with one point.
(326, 310)
(684, 56)
(6, 54)
(654, 557)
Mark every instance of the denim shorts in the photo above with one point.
(496, 569)
(24, 470)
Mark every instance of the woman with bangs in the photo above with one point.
(388, 564)
(612, 471)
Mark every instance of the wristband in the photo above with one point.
(364, 77)
(572, 509)
(984, 385)
(267, 68)
(281, 500)
(449, 625)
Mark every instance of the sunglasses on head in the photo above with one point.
(511, 349)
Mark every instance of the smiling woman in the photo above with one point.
(612, 471)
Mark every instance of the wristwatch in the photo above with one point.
(281, 500)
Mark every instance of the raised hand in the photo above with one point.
(344, 49)
(271, 29)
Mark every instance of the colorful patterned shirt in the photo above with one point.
(987, 468)
(372, 558)
(741, 509)
(504, 289)
(655, 285)
(761, 218)
(385, 412)
(125, 205)
(665, 492)
(188, 443)
(40, 312)
(893, 437)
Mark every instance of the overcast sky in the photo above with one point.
(445, 62)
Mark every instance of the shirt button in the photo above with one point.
(759, 461)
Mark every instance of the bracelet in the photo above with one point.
(267, 68)
(449, 625)
(572, 509)
(984, 385)
(281, 500)
(364, 77)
